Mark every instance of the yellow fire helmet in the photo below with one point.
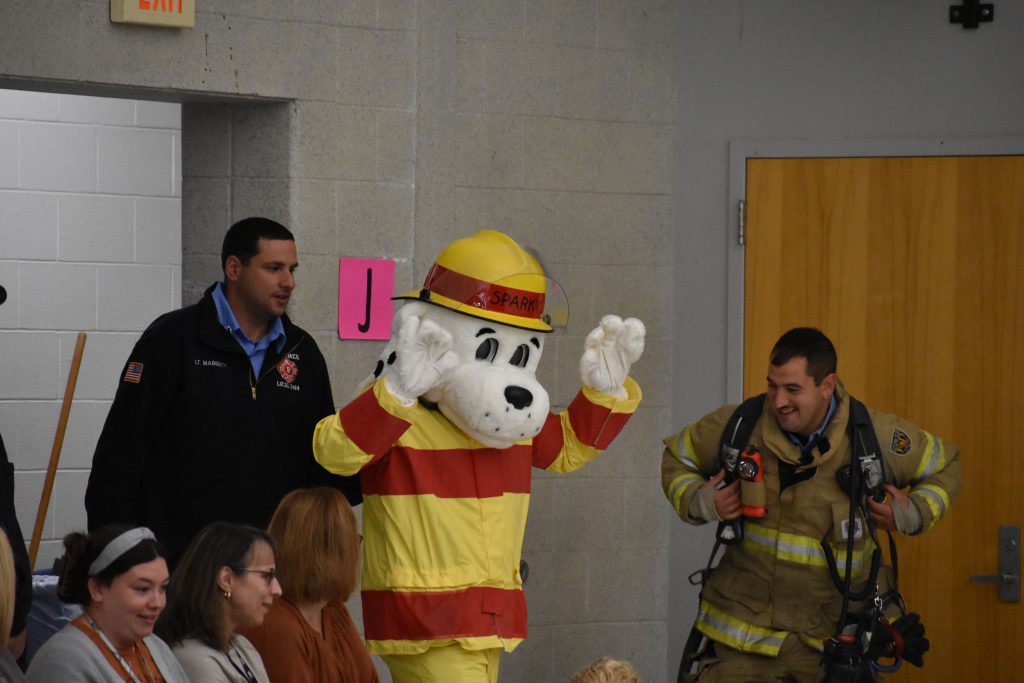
(489, 276)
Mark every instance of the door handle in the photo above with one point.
(993, 578)
(1008, 577)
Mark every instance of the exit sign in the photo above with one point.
(170, 13)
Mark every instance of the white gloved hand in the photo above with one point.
(423, 356)
(609, 351)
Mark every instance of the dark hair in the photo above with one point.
(243, 238)
(81, 550)
(195, 606)
(810, 344)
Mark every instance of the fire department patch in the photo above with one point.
(288, 370)
(133, 373)
(901, 443)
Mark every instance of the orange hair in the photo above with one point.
(317, 545)
(607, 670)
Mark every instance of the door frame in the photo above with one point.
(742, 149)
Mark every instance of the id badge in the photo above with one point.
(841, 523)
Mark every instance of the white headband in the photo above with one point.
(118, 547)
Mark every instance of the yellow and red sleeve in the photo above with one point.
(362, 432)
(579, 433)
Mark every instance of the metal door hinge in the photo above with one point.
(743, 222)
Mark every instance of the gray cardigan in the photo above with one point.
(70, 657)
(206, 665)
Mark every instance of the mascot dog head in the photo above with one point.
(488, 293)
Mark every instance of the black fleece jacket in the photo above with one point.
(193, 436)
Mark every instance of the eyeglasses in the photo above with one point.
(268, 574)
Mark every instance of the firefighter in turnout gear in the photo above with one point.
(770, 604)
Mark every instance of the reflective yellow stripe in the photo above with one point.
(678, 486)
(933, 459)
(799, 549)
(737, 634)
(683, 450)
(816, 643)
(936, 498)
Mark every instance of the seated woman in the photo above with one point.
(118, 574)
(225, 582)
(9, 671)
(308, 636)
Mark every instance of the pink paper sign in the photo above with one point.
(365, 288)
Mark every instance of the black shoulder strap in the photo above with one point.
(860, 419)
(864, 442)
(736, 435)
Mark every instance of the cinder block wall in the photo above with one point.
(558, 129)
(90, 240)
(386, 128)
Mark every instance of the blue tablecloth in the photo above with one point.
(48, 614)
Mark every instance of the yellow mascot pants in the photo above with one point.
(445, 665)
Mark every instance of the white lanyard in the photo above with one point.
(120, 660)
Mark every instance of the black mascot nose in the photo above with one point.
(519, 397)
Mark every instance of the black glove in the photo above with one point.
(902, 638)
(911, 630)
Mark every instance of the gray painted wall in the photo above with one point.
(834, 76)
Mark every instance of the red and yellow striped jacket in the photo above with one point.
(444, 516)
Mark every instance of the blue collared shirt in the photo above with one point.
(813, 438)
(255, 350)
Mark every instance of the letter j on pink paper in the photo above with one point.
(365, 288)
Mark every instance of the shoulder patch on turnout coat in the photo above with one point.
(901, 443)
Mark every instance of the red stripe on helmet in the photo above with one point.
(484, 295)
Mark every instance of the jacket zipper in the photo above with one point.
(253, 381)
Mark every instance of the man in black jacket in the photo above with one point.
(214, 415)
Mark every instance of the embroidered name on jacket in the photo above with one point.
(210, 363)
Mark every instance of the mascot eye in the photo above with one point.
(487, 350)
(521, 356)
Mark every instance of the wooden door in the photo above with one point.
(914, 267)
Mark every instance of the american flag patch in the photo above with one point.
(133, 373)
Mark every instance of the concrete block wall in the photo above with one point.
(386, 128)
(90, 240)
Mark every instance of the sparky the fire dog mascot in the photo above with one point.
(445, 438)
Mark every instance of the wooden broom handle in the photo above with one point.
(58, 443)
